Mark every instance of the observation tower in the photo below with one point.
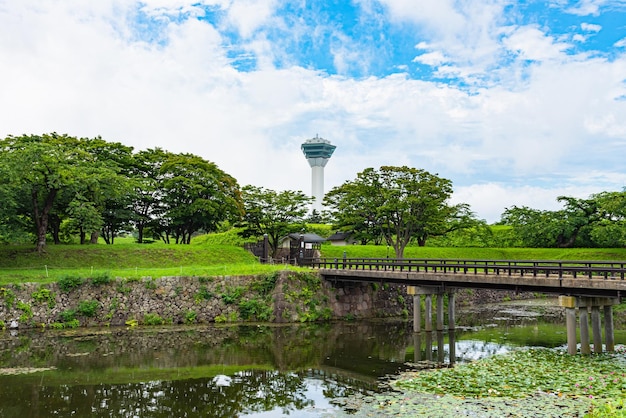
(317, 152)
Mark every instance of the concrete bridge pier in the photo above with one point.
(428, 292)
(583, 305)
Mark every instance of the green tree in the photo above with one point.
(110, 191)
(40, 168)
(354, 205)
(147, 183)
(564, 228)
(610, 229)
(400, 203)
(197, 195)
(51, 173)
(276, 214)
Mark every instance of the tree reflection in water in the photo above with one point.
(210, 371)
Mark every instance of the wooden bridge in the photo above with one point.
(582, 286)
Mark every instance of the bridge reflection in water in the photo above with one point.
(584, 287)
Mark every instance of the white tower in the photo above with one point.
(317, 152)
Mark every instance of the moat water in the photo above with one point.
(245, 370)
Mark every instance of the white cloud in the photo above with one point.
(590, 27)
(587, 7)
(490, 200)
(549, 117)
(248, 15)
(431, 58)
(533, 44)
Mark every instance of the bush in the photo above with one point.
(255, 308)
(203, 294)
(88, 308)
(153, 319)
(44, 295)
(191, 317)
(101, 279)
(26, 309)
(8, 295)
(232, 296)
(67, 315)
(266, 285)
(69, 283)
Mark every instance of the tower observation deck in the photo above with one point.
(317, 152)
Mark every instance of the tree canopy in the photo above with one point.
(276, 214)
(598, 221)
(55, 184)
(397, 204)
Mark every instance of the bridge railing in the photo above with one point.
(548, 268)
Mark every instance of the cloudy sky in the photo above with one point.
(515, 102)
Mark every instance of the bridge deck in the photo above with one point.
(575, 278)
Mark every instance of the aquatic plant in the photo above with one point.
(529, 373)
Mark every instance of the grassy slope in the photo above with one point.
(126, 259)
(211, 255)
(356, 251)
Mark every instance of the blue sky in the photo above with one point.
(515, 102)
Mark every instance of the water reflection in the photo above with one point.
(215, 371)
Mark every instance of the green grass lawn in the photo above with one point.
(477, 253)
(128, 260)
(211, 256)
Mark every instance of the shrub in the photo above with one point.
(88, 308)
(203, 294)
(255, 308)
(232, 296)
(190, 317)
(153, 319)
(26, 309)
(44, 295)
(69, 283)
(72, 324)
(67, 315)
(8, 295)
(266, 284)
(101, 279)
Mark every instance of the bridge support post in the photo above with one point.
(596, 329)
(417, 311)
(428, 292)
(417, 347)
(585, 348)
(570, 324)
(451, 311)
(428, 315)
(608, 328)
(439, 311)
(570, 303)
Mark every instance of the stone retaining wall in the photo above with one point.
(281, 297)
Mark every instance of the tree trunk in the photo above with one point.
(54, 223)
(140, 226)
(41, 218)
(94, 237)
